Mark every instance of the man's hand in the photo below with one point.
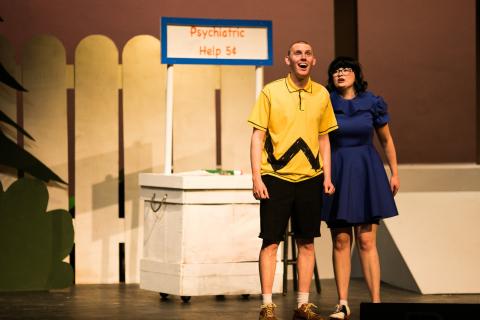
(259, 189)
(328, 187)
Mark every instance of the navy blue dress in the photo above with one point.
(362, 190)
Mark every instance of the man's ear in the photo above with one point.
(287, 60)
(314, 62)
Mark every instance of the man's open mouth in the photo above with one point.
(303, 65)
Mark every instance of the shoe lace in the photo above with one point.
(308, 308)
(338, 308)
(269, 309)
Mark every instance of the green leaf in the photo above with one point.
(10, 81)
(16, 157)
(7, 120)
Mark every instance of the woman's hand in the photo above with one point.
(394, 184)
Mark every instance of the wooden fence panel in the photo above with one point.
(143, 122)
(45, 110)
(238, 98)
(99, 229)
(194, 116)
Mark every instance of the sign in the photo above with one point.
(214, 41)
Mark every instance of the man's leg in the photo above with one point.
(274, 215)
(305, 263)
(267, 265)
(306, 226)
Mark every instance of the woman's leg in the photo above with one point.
(341, 257)
(366, 239)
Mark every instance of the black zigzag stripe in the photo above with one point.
(297, 146)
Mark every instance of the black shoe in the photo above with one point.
(341, 312)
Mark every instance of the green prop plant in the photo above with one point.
(33, 242)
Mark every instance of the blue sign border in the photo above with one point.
(165, 21)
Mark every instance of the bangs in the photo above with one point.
(342, 63)
(347, 62)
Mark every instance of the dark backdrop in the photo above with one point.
(419, 55)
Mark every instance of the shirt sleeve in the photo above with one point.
(380, 112)
(328, 122)
(260, 113)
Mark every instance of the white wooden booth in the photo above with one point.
(201, 235)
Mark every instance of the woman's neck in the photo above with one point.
(348, 93)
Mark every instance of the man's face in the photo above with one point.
(300, 60)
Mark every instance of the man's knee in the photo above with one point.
(306, 246)
(270, 246)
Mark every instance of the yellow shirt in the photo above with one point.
(293, 118)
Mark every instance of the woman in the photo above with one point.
(364, 195)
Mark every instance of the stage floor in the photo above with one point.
(120, 301)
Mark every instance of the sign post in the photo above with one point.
(169, 122)
(211, 41)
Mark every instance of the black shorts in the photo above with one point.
(301, 201)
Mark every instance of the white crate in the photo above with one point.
(204, 238)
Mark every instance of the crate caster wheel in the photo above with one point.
(246, 296)
(164, 296)
(185, 299)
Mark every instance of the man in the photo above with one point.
(289, 143)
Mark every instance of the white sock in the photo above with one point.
(267, 298)
(302, 297)
(343, 302)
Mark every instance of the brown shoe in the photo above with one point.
(305, 312)
(267, 312)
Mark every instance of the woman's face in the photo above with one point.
(343, 78)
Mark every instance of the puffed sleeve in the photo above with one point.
(380, 112)
(261, 112)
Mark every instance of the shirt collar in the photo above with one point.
(293, 88)
(350, 106)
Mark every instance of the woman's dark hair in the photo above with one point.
(360, 84)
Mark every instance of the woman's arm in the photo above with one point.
(386, 140)
(324, 146)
